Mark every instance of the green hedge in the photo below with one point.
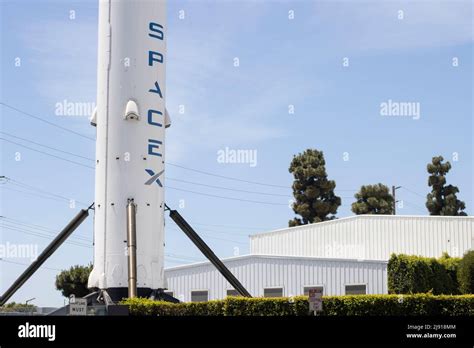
(452, 264)
(358, 305)
(466, 273)
(17, 307)
(415, 274)
(144, 306)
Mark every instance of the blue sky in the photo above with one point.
(282, 62)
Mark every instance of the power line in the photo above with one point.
(176, 260)
(18, 229)
(32, 194)
(39, 195)
(420, 208)
(46, 121)
(42, 228)
(234, 227)
(37, 234)
(245, 234)
(223, 232)
(172, 179)
(224, 197)
(223, 239)
(227, 188)
(29, 187)
(21, 184)
(224, 177)
(183, 257)
(415, 205)
(173, 188)
(232, 198)
(237, 190)
(168, 178)
(90, 159)
(236, 179)
(23, 225)
(25, 264)
(177, 189)
(180, 262)
(48, 154)
(212, 237)
(413, 192)
(48, 147)
(200, 193)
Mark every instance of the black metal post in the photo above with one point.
(50, 249)
(202, 246)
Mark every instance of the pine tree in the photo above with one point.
(373, 199)
(315, 200)
(74, 281)
(442, 200)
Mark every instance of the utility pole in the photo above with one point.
(394, 188)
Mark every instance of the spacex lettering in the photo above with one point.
(156, 32)
(154, 177)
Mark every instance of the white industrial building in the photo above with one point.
(343, 256)
(276, 276)
(371, 237)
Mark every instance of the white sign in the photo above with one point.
(315, 299)
(78, 307)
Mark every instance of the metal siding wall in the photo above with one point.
(257, 273)
(375, 236)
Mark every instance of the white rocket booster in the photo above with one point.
(130, 149)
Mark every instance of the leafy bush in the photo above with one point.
(360, 305)
(144, 306)
(238, 306)
(466, 273)
(451, 265)
(17, 307)
(415, 274)
(74, 281)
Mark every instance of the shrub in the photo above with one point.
(74, 281)
(451, 265)
(144, 306)
(415, 274)
(466, 273)
(236, 306)
(360, 305)
(17, 307)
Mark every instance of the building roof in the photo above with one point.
(365, 217)
(280, 257)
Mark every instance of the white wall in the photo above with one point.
(370, 237)
(291, 273)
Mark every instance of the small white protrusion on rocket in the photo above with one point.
(131, 111)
